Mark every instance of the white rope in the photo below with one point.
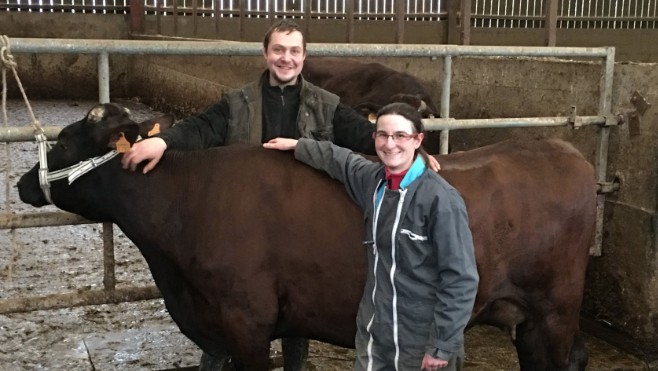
(8, 62)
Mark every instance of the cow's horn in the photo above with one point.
(423, 106)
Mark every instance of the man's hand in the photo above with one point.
(430, 363)
(434, 164)
(150, 150)
(282, 144)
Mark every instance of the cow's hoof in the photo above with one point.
(210, 363)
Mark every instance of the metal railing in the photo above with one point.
(102, 48)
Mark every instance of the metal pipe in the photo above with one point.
(444, 137)
(103, 77)
(78, 299)
(451, 123)
(109, 277)
(26, 133)
(46, 219)
(170, 47)
(601, 165)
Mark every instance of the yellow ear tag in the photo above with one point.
(122, 144)
(155, 130)
(372, 117)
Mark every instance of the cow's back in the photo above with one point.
(359, 83)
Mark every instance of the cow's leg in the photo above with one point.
(210, 363)
(550, 345)
(253, 355)
(578, 356)
(295, 352)
(248, 322)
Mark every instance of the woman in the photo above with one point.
(422, 277)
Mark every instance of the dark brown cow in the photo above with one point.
(248, 245)
(367, 87)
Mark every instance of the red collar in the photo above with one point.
(394, 180)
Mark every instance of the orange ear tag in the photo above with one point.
(122, 144)
(155, 130)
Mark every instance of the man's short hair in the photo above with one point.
(284, 25)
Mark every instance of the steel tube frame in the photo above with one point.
(601, 166)
(78, 299)
(231, 48)
(25, 134)
(445, 104)
(223, 48)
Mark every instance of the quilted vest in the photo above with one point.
(314, 118)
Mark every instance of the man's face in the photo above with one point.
(285, 57)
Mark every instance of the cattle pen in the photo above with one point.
(480, 87)
(104, 48)
(110, 294)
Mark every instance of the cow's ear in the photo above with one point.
(153, 126)
(127, 131)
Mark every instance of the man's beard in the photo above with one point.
(279, 81)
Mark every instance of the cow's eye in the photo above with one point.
(62, 146)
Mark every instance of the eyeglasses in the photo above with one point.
(398, 136)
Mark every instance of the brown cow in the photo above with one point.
(366, 87)
(248, 245)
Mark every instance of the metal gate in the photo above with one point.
(103, 48)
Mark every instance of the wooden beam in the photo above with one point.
(137, 17)
(551, 23)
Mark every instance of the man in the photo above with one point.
(279, 104)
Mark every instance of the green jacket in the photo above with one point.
(314, 119)
(237, 118)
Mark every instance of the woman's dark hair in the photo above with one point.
(284, 25)
(410, 113)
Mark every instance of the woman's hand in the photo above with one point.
(430, 363)
(282, 144)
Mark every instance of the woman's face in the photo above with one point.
(396, 142)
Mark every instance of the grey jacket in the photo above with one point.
(422, 277)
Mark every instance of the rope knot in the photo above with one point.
(7, 59)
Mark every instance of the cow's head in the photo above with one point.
(422, 104)
(95, 135)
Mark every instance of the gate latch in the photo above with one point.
(633, 117)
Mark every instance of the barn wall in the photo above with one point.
(630, 45)
(622, 287)
(622, 284)
(57, 75)
(320, 30)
